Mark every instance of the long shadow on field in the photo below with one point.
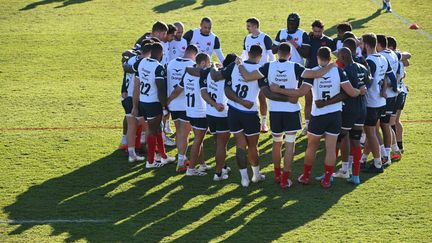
(207, 3)
(173, 5)
(65, 3)
(356, 24)
(154, 205)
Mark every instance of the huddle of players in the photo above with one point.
(177, 77)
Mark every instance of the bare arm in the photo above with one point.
(309, 73)
(302, 91)
(135, 97)
(405, 56)
(177, 91)
(349, 89)
(333, 100)
(249, 76)
(304, 51)
(275, 96)
(160, 84)
(216, 75)
(128, 68)
(194, 71)
(205, 95)
(230, 94)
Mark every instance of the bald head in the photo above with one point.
(345, 55)
(180, 29)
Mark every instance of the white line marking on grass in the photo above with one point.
(55, 221)
(405, 20)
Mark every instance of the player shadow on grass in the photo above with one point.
(65, 3)
(153, 205)
(178, 4)
(356, 24)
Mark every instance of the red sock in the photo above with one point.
(160, 146)
(138, 137)
(277, 173)
(285, 176)
(307, 171)
(356, 153)
(151, 144)
(328, 173)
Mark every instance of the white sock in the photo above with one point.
(131, 151)
(388, 151)
(306, 123)
(395, 148)
(123, 140)
(345, 166)
(180, 161)
(364, 157)
(244, 174)
(350, 162)
(363, 138)
(377, 162)
(382, 148)
(256, 170)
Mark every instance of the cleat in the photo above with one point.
(321, 177)
(396, 157)
(245, 182)
(158, 157)
(373, 169)
(386, 161)
(132, 159)
(169, 141)
(226, 170)
(301, 179)
(258, 178)
(354, 180)
(194, 172)
(168, 160)
(325, 185)
(204, 167)
(220, 178)
(264, 128)
(285, 184)
(153, 165)
(181, 168)
(341, 174)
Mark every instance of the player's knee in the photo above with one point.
(290, 138)
(277, 138)
(341, 137)
(385, 119)
(355, 134)
(241, 157)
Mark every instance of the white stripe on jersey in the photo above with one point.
(195, 104)
(245, 90)
(216, 91)
(175, 71)
(130, 77)
(283, 74)
(373, 96)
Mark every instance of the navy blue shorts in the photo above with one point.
(390, 107)
(400, 101)
(149, 110)
(326, 124)
(198, 123)
(246, 122)
(217, 124)
(373, 114)
(179, 116)
(127, 105)
(353, 117)
(282, 122)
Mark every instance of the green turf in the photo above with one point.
(60, 68)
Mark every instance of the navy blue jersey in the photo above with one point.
(356, 74)
(316, 43)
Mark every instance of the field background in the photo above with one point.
(60, 79)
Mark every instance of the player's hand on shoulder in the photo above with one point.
(218, 65)
(320, 103)
(238, 61)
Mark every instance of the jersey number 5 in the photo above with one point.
(325, 95)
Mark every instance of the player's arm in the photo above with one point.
(251, 76)
(194, 71)
(302, 91)
(177, 91)
(268, 44)
(224, 73)
(161, 85)
(309, 73)
(391, 76)
(123, 87)
(188, 36)
(276, 43)
(333, 100)
(304, 49)
(347, 87)
(135, 96)
(405, 56)
(230, 94)
(217, 49)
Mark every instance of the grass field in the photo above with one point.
(60, 79)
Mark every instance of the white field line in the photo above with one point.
(405, 20)
(55, 221)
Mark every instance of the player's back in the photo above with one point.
(378, 66)
(245, 90)
(147, 74)
(175, 70)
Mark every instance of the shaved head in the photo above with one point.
(345, 55)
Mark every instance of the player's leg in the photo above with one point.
(242, 157)
(199, 127)
(355, 136)
(263, 111)
(290, 138)
(276, 127)
(307, 112)
(387, 138)
(153, 124)
(330, 158)
(344, 145)
(131, 135)
(309, 158)
(182, 132)
(123, 141)
(395, 151)
(221, 150)
(374, 147)
(253, 156)
(399, 131)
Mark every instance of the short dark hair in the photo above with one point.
(347, 35)
(146, 45)
(171, 29)
(255, 51)
(318, 23)
(159, 26)
(206, 19)
(201, 57)
(391, 42)
(382, 41)
(344, 27)
(324, 53)
(230, 58)
(156, 49)
(370, 40)
(253, 21)
(192, 48)
(155, 39)
(284, 48)
(351, 44)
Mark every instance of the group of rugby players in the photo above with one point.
(360, 96)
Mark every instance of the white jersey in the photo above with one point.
(130, 77)
(286, 74)
(205, 43)
(245, 90)
(177, 48)
(402, 86)
(300, 37)
(262, 40)
(149, 71)
(339, 45)
(195, 104)
(166, 51)
(216, 90)
(393, 60)
(378, 66)
(325, 88)
(175, 71)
